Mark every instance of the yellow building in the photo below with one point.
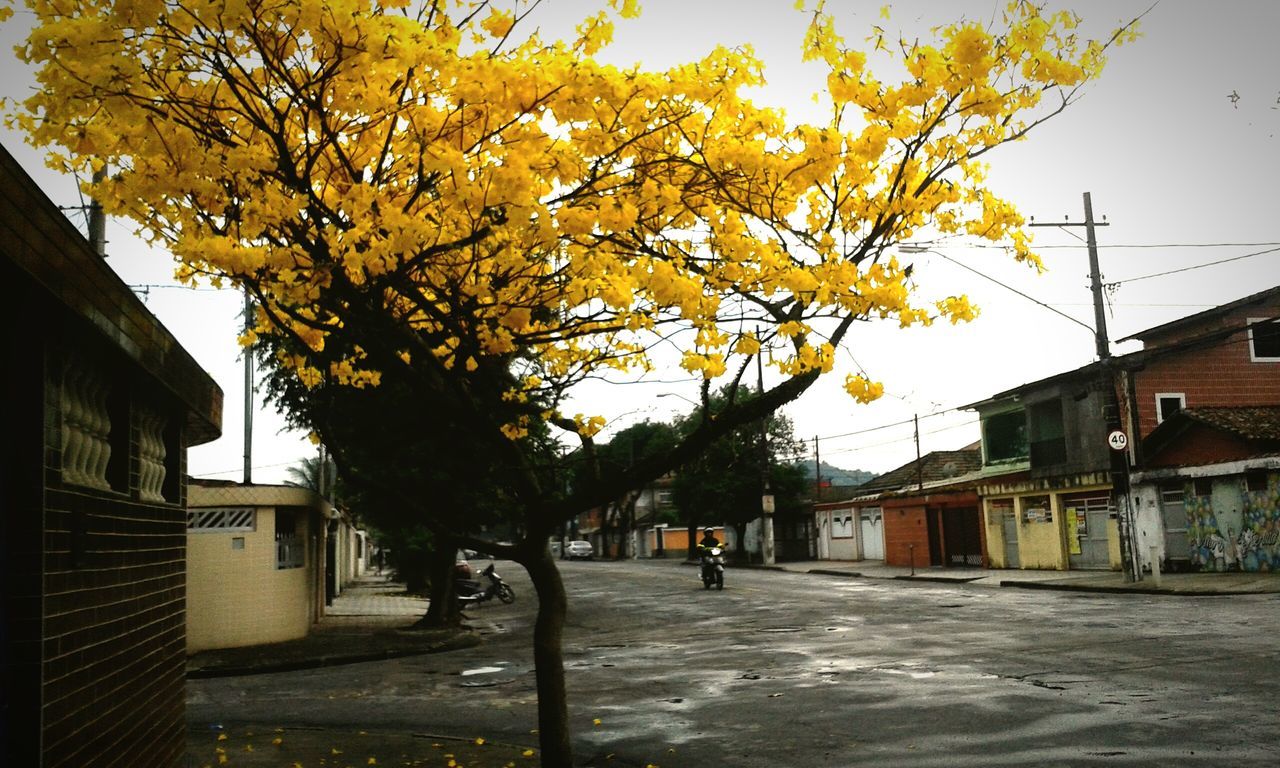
(255, 563)
(1047, 467)
(1059, 525)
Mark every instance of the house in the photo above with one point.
(277, 550)
(101, 405)
(1048, 475)
(1203, 397)
(924, 513)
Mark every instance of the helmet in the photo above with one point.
(708, 531)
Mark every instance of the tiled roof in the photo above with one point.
(1251, 423)
(933, 467)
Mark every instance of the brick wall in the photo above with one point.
(21, 495)
(94, 600)
(904, 527)
(114, 632)
(1220, 375)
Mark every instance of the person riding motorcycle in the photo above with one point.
(710, 560)
(709, 540)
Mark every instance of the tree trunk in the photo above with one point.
(740, 533)
(443, 609)
(548, 658)
(626, 524)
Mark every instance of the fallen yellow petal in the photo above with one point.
(335, 750)
(597, 721)
(479, 741)
(277, 741)
(527, 753)
(372, 761)
(222, 737)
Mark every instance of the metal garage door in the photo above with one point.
(872, 529)
(1087, 517)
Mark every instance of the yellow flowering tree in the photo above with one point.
(419, 189)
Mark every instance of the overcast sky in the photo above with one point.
(1185, 175)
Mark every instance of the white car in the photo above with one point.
(575, 550)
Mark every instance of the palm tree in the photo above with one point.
(307, 473)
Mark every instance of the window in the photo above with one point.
(1255, 480)
(1004, 437)
(1169, 403)
(1172, 496)
(1048, 439)
(1264, 339)
(289, 548)
(221, 520)
(842, 525)
(1036, 509)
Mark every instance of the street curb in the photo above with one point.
(938, 579)
(825, 572)
(457, 642)
(1111, 590)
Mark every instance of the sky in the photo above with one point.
(1177, 144)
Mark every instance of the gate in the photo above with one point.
(1173, 511)
(872, 534)
(962, 539)
(1002, 510)
(1087, 517)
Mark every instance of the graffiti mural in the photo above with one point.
(1254, 547)
(1259, 542)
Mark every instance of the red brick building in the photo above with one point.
(1228, 356)
(924, 513)
(1203, 396)
(100, 405)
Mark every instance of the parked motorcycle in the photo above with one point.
(484, 589)
(712, 567)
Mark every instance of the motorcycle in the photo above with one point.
(712, 567)
(484, 589)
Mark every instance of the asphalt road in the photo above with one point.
(787, 669)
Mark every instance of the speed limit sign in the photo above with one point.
(1117, 440)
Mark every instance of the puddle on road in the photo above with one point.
(480, 671)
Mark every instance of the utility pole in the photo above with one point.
(817, 471)
(1095, 273)
(1120, 467)
(915, 418)
(766, 496)
(248, 393)
(98, 219)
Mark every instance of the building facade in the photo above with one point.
(101, 405)
(256, 563)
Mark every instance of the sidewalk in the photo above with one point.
(372, 619)
(1201, 584)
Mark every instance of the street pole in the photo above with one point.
(766, 497)
(248, 393)
(915, 418)
(1120, 470)
(1095, 282)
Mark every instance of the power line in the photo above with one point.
(241, 469)
(1010, 288)
(1135, 245)
(1194, 266)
